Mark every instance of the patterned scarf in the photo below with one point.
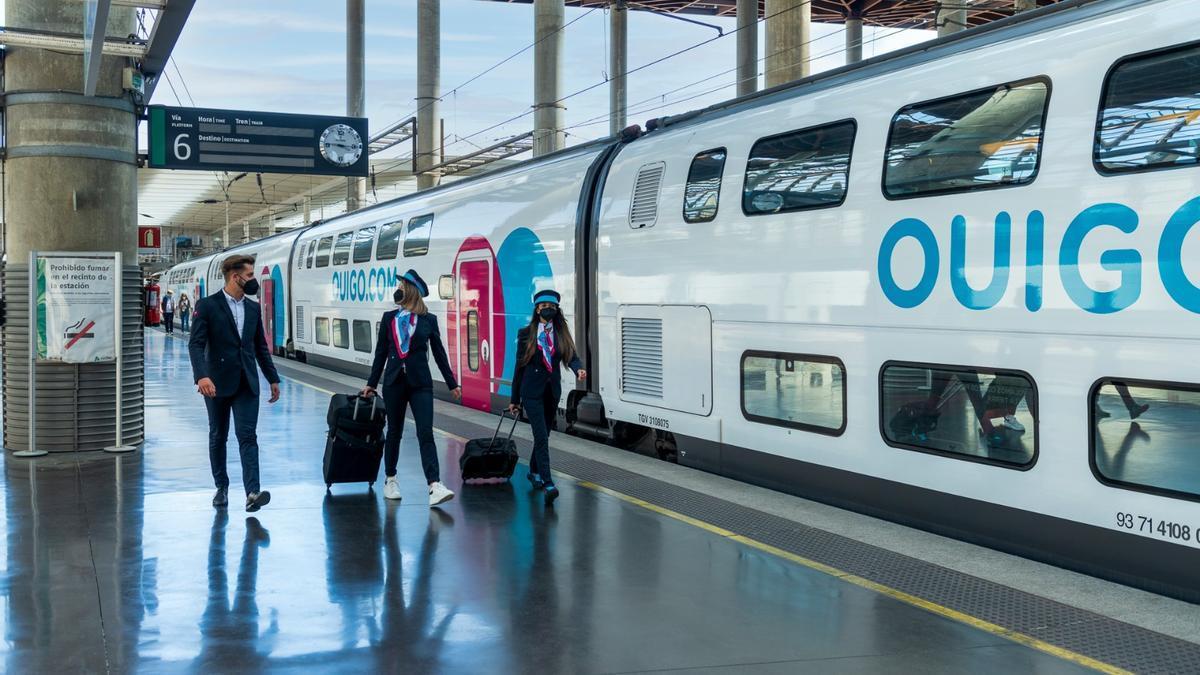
(545, 341)
(402, 329)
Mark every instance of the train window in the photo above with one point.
(389, 241)
(416, 241)
(987, 138)
(798, 391)
(341, 333)
(446, 287)
(1143, 436)
(703, 188)
(364, 239)
(312, 249)
(362, 336)
(341, 250)
(473, 341)
(960, 411)
(322, 326)
(805, 169)
(1150, 113)
(323, 251)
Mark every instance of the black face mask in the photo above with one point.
(250, 287)
(548, 313)
(398, 296)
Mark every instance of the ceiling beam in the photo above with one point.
(168, 25)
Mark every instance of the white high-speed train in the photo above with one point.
(957, 286)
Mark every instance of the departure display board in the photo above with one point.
(202, 139)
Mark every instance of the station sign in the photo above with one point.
(202, 139)
(149, 239)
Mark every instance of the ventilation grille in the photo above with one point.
(642, 357)
(643, 210)
(301, 325)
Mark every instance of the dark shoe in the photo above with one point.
(551, 494)
(1137, 410)
(221, 498)
(536, 480)
(257, 500)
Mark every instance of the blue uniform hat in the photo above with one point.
(546, 296)
(415, 279)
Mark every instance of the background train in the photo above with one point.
(957, 286)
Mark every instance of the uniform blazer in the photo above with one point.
(219, 353)
(532, 380)
(415, 367)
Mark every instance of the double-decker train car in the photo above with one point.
(956, 286)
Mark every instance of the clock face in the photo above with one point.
(341, 145)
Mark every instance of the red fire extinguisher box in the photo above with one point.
(153, 315)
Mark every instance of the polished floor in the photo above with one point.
(119, 564)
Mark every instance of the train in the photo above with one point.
(956, 286)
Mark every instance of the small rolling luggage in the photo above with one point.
(484, 458)
(354, 446)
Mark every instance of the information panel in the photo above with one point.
(75, 308)
(235, 140)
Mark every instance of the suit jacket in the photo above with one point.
(219, 353)
(415, 367)
(532, 380)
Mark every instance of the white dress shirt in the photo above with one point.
(238, 307)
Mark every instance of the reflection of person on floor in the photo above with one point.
(229, 635)
(1134, 408)
(353, 569)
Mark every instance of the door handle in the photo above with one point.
(483, 350)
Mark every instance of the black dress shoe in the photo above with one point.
(221, 498)
(257, 500)
(551, 494)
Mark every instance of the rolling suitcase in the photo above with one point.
(354, 445)
(485, 458)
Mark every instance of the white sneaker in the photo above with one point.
(391, 490)
(1011, 422)
(439, 494)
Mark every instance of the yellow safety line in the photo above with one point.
(893, 593)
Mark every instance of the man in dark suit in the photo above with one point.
(227, 339)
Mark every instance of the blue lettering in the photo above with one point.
(988, 296)
(1035, 226)
(1126, 261)
(1170, 256)
(917, 229)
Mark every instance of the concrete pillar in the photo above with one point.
(618, 23)
(356, 90)
(789, 30)
(270, 223)
(429, 76)
(245, 231)
(854, 43)
(547, 76)
(747, 47)
(951, 17)
(70, 185)
(1025, 5)
(225, 236)
(307, 210)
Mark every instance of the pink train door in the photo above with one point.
(267, 305)
(474, 333)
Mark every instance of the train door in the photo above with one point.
(474, 295)
(266, 296)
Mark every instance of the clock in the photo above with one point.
(341, 145)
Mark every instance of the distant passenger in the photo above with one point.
(227, 341)
(168, 310)
(1134, 408)
(542, 347)
(185, 311)
(406, 334)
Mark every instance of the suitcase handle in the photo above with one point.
(503, 414)
(374, 402)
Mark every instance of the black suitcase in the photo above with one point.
(485, 458)
(354, 446)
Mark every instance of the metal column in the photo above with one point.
(547, 76)
(429, 75)
(618, 18)
(747, 47)
(1025, 5)
(789, 30)
(854, 40)
(356, 92)
(951, 17)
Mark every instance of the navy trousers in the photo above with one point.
(543, 416)
(396, 398)
(244, 406)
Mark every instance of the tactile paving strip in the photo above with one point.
(1098, 637)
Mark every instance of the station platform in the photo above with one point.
(118, 563)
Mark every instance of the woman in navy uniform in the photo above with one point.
(406, 334)
(542, 347)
